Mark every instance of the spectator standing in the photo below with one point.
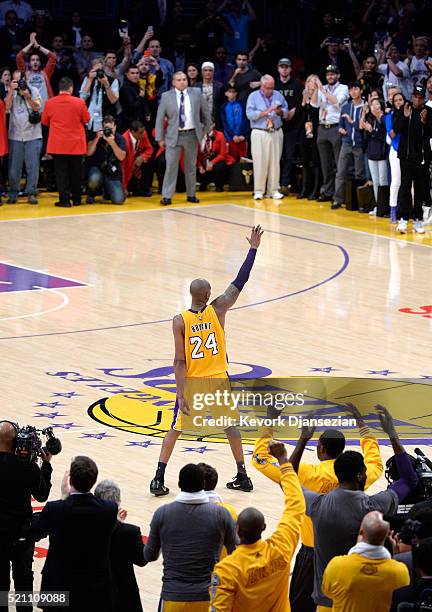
(333, 53)
(292, 91)
(65, 67)
(223, 69)
(58, 47)
(418, 591)
(396, 73)
(150, 82)
(19, 480)
(137, 165)
(11, 39)
(100, 93)
(210, 29)
(126, 550)
(188, 119)
(25, 137)
(397, 101)
(66, 117)
(166, 66)
(193, 74)
(255, 577)
(114, 70)
(233, 119)
(414, 124)
(337, 516)
(85, 55)
(308, 142)
(329, 99)
(212, 92)
(244, 78)
(5, 81)
(266, 109)
(368, 569)
(105, 154)
(75, 30)
(81, 522)
(190, 531)
(3, 143)
(37, 76)
(22, 9)
(212, 160)
(369, 77)
(237, 38)
(351, 152)
(133, 99)
(419, 64)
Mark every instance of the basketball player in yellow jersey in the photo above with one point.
(200, 352)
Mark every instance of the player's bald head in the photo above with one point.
(7, 436)
(374, 529)
(250, 525)
(200, 289)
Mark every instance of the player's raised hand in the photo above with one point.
(255, 237)
(278, 451)
(386, 419)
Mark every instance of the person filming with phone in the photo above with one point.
(105, 154)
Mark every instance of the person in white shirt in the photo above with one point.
(420, 64)
(395, 72)
(329, 99)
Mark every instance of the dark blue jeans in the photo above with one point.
(112, 187)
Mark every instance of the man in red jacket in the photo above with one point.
(137, 167)
(212, 160)
(66, 117)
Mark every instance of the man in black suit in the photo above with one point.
(79, 529)
(19, 480)
(127, 550)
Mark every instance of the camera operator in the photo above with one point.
(19, 480)
(25, 136)
(101, 93)
(104, 156)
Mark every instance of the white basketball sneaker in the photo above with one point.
(277, 195)
(418, 227)
(402, 226)
(258, 195)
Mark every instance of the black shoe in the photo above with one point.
(240, 483)
(158, 488)
(193, 199)
(166, 201)
(11, 199)
(63, 204)
(335, 205)
(323, 198)
(313, 196)
(147, 194)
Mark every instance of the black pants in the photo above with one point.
(291, 137)
(216, 176)
(68, 169)
(20, 556)
(417, 173)
(302, 581)
(144, 183)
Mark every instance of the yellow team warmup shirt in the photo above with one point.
(319, 477)
(255, 577)
(356, 583)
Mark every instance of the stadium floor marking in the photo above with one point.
(227, 221)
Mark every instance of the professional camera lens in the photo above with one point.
(100, 73)
(107, 131)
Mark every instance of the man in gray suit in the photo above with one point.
(189, 119)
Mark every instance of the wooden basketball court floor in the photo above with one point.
(86, 301)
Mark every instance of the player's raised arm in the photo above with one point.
(179, 361)
(225, 301)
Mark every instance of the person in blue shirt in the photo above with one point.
(237, 38)
(352, 142)
(234, 124)
(396, 99)
(266, 109)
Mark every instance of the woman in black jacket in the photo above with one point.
(373, 124)
(311, 176)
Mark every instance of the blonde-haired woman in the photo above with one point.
(308, 148)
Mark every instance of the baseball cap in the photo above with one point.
(284, 61)
(207, 65)
(332, 68)
(419, 90)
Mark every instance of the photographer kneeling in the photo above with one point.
(20, 479)
(104, 156)
(25, 137)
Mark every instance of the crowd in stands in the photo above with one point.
(355, 78)
(215, 559)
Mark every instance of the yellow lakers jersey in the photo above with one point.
(205, 346)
